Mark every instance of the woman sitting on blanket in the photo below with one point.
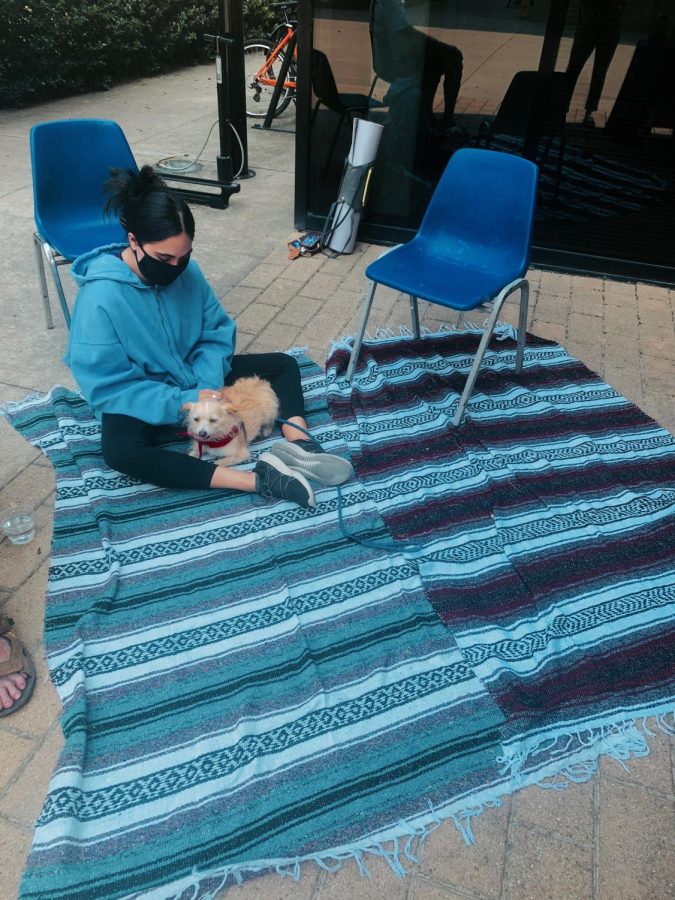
(149, 335)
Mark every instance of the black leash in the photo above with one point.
(390, 546)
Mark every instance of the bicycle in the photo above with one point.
(264, 56)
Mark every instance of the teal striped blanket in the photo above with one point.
(243, 688)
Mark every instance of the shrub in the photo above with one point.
(259, 19)
(53, 48)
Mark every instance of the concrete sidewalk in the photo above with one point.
(611, 838)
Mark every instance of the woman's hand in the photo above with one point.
(210, 394)
(204, 395)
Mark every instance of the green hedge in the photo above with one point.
(56, 48)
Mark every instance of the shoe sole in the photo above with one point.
(278, 464)
(325, 468)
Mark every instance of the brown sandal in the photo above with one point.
(19, 661)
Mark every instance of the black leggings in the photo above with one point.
(133, 447)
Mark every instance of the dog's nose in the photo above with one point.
(203, 433)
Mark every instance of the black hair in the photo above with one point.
(146, 207)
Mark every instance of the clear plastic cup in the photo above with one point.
(18, 522)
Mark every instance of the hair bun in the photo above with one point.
(128, 187)
(146, 206)
(147, 180)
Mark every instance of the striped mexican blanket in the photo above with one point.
(544, 530)
(242, 687)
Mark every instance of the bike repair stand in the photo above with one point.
(279, 86)
(229, 55)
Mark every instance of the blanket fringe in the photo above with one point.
(563, 765)
(13, 406)
(396, 851)
(401, 846)
(9, 407)
(384, 333)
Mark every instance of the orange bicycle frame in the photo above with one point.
(263, 74)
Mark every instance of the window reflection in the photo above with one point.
(585, 88)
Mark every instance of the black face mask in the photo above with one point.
(156, 271)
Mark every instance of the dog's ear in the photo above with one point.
(187, 408)
(229, 407)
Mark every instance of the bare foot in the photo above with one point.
(11, 686)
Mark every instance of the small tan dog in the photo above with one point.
(224, 427)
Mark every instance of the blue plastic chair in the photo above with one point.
(71, 161)
(473, 246)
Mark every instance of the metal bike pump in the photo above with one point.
(232, 92)
(224, 184)
(232, 160)
(224, 160)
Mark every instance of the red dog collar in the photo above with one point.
(221, 442)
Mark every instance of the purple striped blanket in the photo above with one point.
(544, 530)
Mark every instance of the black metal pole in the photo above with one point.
(233, 136)
(224, 160)
(281, 78)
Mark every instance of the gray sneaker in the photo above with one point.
(308, 458)
(275, 479)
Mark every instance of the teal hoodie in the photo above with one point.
(144, 351)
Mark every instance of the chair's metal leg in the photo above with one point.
(415, 315)
(365, 312)
(39, 262)
(57, 282)
(522, 325)
(482, 347)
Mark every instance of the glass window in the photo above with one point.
(586, 88)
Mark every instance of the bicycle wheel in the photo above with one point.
(258, 96)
